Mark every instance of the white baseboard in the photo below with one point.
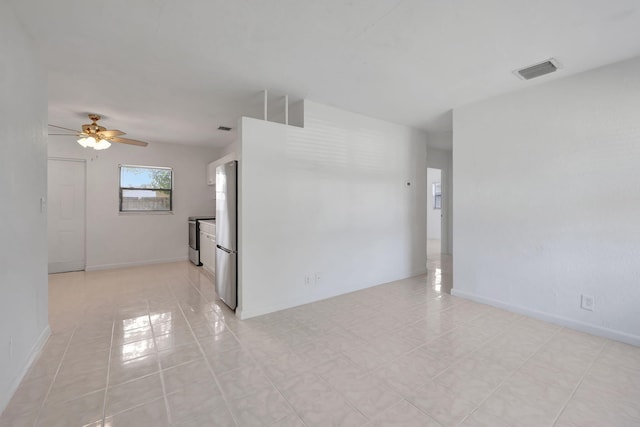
(552, 318)
(133, 264)
(33, 355)
(244, 314)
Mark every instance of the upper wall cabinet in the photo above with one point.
(211, 167)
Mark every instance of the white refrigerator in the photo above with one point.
(227, 233)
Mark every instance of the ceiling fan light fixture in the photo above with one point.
(102, 144)
(92, 142)
(98, 137)
(84, 141)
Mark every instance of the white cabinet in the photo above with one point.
(211, 167)
(208, 245)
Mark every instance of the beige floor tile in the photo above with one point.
(45, 368)
(80, 363)
(213, 414)
(72, 387)
(121, 354)
(133, 393)
(230, 360)
(285, 367)
(600, 412)
(518, 411)
(220, 343)
(440, 403)
(289, 421)
(370, 395)
(180, 355)
(18, 420)
(301, 390)
(125, 336)
(339, 368)
(404, 414)
(78, 412)
(149, 414)
(619, 382)
(173, 340)
(551, 375)
(28, 398)
(159, 348)
(481, 418)
(466, 387)
(261, 408)
(243, 381)
(131, 369)
(179, 377)
(197, 399)
(620, 354)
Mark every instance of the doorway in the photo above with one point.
(434, 213)
(66, 179)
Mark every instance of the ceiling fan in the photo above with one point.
(98, 137)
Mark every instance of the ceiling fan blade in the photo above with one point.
(65, 134)
(110, 133)
(128, 141)
(60, 127)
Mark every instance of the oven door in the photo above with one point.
(193, 235)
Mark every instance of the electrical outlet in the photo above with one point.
(10, 347)
(307, 279)
(587, 302)
(317, 278)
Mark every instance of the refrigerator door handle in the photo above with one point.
(224, 249)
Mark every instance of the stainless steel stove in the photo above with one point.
(194, 237)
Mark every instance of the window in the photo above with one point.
(145, 189)
(437, 196)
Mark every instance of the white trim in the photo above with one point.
(126, 165)
(225, 159)
(552, 318)
(84, 213)
(33, 355)
(134, 213)
(68, 159)
(283, 305)
(65, 266)
(134, 264)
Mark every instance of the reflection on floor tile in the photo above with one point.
(152, 346)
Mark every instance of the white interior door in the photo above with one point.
(66, 215)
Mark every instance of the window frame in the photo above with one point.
(147, 211)
(437, 195)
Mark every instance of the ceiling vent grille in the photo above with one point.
(537, 70)
(224, 128)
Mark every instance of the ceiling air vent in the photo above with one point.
(224, 128)
(546, 67)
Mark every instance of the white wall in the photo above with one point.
(434, 223)
(328, 198)
(118, 240)
(23, 228)
(442, 159)
(547, 202)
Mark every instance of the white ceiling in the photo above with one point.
(173, 71)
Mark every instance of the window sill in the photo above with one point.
(133, 213)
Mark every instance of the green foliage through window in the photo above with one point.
(145, 188)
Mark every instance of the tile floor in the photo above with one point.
(151, 346)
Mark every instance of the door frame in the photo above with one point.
(443, 238)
